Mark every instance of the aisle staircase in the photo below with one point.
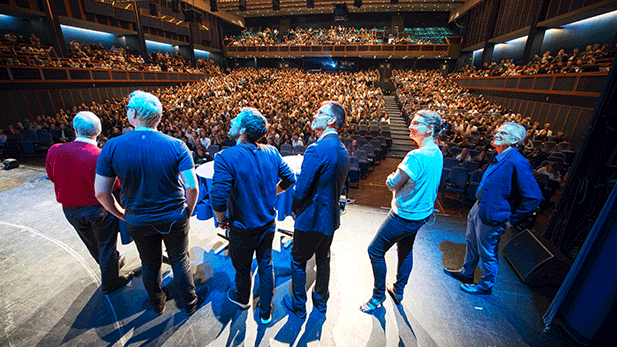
(401, 144)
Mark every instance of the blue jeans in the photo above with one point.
(402, 232)
(242, 245)
(482, 243)
(148, 241)
(98, 229)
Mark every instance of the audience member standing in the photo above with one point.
(149, 164)
(244, 188)
(506, 195)
(316, 207)
(71, 167)
(414, 187)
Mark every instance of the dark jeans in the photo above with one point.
(242, 245)
(402, 232)
(148, 241)
(98, 229)
(305, 244)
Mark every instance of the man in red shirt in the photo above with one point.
(71, 167)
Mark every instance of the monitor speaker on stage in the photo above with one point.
(535, 260)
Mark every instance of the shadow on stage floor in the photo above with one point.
(50, 293)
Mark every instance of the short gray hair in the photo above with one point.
(87, 124)
(433, 119)
(516, 130)
(337, 111)
(148, 108)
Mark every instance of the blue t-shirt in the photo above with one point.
(148, 164)
(416, 198)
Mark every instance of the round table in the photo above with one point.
(203, 209)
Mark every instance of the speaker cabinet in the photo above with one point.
(357, 3)
(535, 260)
(213, 6)
(276, 5)
(310, 3)
(242, 5)
(153, 10)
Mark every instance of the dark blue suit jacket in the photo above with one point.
(318, 188)
(509, 192)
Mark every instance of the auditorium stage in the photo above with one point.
(50, 296)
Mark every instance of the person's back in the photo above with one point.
(148, 164)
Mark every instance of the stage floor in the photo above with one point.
(50, 295)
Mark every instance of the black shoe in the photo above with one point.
(397, 298)
(458, 275)
(121, 262)
(320, 308)
(475, 289)
(201, 298)
(287, 302)
(120, 282)
(160, 309)
(233, 297)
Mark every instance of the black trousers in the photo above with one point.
(305, 245)
(98, 229)
(148, 239)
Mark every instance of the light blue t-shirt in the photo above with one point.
(416, 198)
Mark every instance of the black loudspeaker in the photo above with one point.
(276, 5)
(357, 3)
(242, 5)
(213, 6)
(153, 10)
(310, 3)
(10, 164)
(175, 6)
(394, 2)
(189, 15)
(535, 260)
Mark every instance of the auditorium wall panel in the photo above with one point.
(580, 128)
(9, 110)
(33, 102)
(109, 93)
(569, 125)
(46, 104)
(86, 98)
(96, 97)
(56, 99)
(552, 115)
(543, 113)
(20, 102)
(77, 98)
(562, 118)
(67, 99)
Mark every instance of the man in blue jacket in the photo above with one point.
(316, 207)
(244, 187)
(506, 195)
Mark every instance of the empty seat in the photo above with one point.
(563, 146)
(449, 163)
(550, 146)
(471, 166)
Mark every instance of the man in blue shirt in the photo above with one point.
(148, 164)
(316, 207)
(244, 188)
(507, 194)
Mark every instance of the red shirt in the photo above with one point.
(71, 167)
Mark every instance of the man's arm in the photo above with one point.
(103, 187)
(192, 190)
(222, 181)
(530, 193)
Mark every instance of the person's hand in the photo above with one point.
(224, 225)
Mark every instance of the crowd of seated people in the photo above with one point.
(594, 58)
(199, 113)
(15, 50)
(335, 35)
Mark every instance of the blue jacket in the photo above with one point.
(509, 190)
(318, 188)
(244, 184)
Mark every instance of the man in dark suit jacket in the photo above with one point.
(506, 195)
(316, 207)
